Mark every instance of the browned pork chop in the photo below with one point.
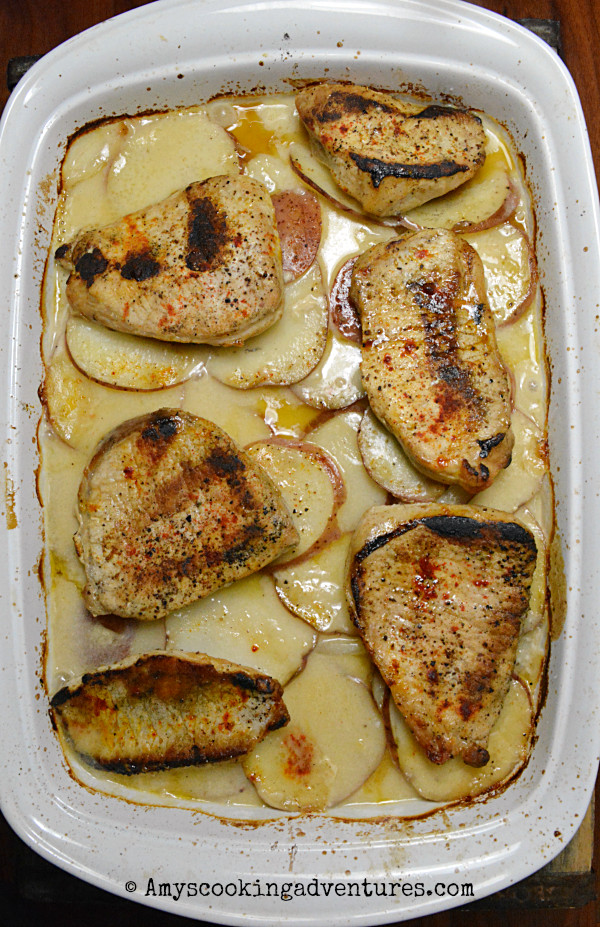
(389, 154)
(430, 361)
(170, 509)
(203, 266)
(438, 593)
(165, 709)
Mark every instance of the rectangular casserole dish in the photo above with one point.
(176, 53)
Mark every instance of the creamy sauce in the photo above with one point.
(275, 621)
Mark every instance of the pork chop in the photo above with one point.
(165, 709)
(438, 593)
(170, 509)
(203, 266)
(389, 154)
(430, 362)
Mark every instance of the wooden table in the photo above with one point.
(562, 895)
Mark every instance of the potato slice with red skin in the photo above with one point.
(336, 382)
(334, 741)
(386, 462)
(312, 488)
(487, 200)
(522, 478)
(129, 361)
(298, 218)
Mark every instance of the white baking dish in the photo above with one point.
(177, 52)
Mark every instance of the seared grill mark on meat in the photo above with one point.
(156, 437)
(455, 527)
(488, 444)
(441, 345)
(164, 710)
(160, 429)
(378, 170)
(389, 154)
(438, 594)
(430, 362)
(140, 267)
(61, 252)
(170, 510)
(435, 111)
(341, 104)
(207, 235)
(90, 265)
(224, 465)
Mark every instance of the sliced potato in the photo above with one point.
(506, 255)
(536, 612)
(91, 152)
(386, 784)
(336, 382)
(387, 463)
(165, 152)
(455, 495)
(83, 411)
(84, 206)
(476, 201)
(222, 782)
(508, 747)
(531, 655)
(314, 589)
(519, 344)
(334, 741)
(245, 623)
(123, 167)
(344, 238)
(521, 479)
(129, 361)
(342, 646)
(274, 172)
(350, 656)
(289, 350)
(310, 487)
(338, 436)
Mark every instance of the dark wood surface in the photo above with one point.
(564, 894)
